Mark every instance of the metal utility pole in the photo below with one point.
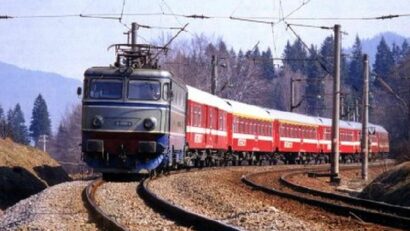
(334, 163)
(43, 139)
(214, 79)
(356, 110)
(292, 94)
(134, 28)
(342, 106)
(365, 118)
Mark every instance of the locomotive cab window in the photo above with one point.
(144, 90)
(106, 89)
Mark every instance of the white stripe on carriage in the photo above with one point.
(290, 139)
(349, 143)
(191, 129)
(266, 138)
(324, 142)
(310, 141)
(243, 136)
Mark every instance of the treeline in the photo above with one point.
(13, 126)
(319, 64)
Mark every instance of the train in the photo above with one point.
(137, 117)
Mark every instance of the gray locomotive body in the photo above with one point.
(132, 119)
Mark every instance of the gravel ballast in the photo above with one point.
(60, 207)
(220, 194)
(215, 194)
(121, 202)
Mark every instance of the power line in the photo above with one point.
(314, 26)
(251, 20)
(236, 8)
(203, 16)
(122, 10)
(293, 11)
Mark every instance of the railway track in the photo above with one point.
(102, 219)
(183, 217)
(360, 209)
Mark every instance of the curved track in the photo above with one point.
(185, 217)
(178, 214)
(102, 220)
(363, 210)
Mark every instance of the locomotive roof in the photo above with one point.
(115, 71)
(250, 111)
(206, 98)
(111, 71)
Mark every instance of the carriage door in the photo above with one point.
(210, 126)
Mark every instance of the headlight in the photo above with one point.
(150, 123)
(97, 121)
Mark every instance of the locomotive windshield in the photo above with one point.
(106, 89)
(144, 90)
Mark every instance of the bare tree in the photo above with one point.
(65, 145)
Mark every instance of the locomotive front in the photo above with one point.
(125, 118)
(127, 109)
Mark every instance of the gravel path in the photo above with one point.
(121, 201)
(60, 207)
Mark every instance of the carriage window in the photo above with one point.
(106, 89)
(144, 90)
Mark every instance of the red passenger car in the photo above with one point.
(252, 128)
(207, 123)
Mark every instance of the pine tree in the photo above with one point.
(356, 67)
(295, 56)
(405, 49)
(384, 60)
(40, 119)
(16, 125)
(326, 52)
(314, 89)
(267, 64)
(396, 52)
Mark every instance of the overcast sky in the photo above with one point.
(70, 45)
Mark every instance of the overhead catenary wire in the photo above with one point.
(315, 26)
(293, 11)
(204, 16)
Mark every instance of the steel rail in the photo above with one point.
(179, 214)
(365, 203)
(365, 215)
(103, 221)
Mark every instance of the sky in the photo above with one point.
(70, 45)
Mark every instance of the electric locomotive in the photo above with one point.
(133, 113)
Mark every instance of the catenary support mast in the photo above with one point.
(334, 168)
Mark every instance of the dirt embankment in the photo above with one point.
(392, 186)
(25, 171)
